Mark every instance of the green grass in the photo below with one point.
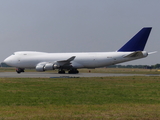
(80, 98)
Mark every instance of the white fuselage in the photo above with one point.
(29, 59)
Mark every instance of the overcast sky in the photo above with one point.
(77, 26)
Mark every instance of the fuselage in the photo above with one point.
(30, 59)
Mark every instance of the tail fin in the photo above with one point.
(138, 42)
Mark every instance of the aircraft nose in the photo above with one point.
(9, 61)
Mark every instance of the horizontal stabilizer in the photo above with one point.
(137, 54)
(152, 52)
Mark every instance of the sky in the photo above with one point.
(77, 26)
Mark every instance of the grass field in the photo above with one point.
(135, 98)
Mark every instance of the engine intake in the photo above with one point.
(40, 68)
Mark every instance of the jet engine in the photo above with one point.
(40, 68)
(47, 66)
(51, 66)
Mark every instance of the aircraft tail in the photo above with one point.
(138, 42)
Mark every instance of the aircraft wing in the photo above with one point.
(43, 66)
(66, 62)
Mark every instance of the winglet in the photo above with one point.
(138, 42)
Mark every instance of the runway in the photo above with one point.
(56, 75)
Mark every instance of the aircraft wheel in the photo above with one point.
(61, 72)
(19, 70)
(77, 71)
(73, 71)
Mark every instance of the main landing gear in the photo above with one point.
(72, 71)
(61, 72)
(19, 70)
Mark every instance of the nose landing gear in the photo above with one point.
(19, 70)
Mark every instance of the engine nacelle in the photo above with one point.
(40, 68)
(56, 65)
(49, 66)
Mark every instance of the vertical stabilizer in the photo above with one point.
(138, 42)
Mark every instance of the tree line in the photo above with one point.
(156, 66)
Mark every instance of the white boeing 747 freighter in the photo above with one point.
(41, 61)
